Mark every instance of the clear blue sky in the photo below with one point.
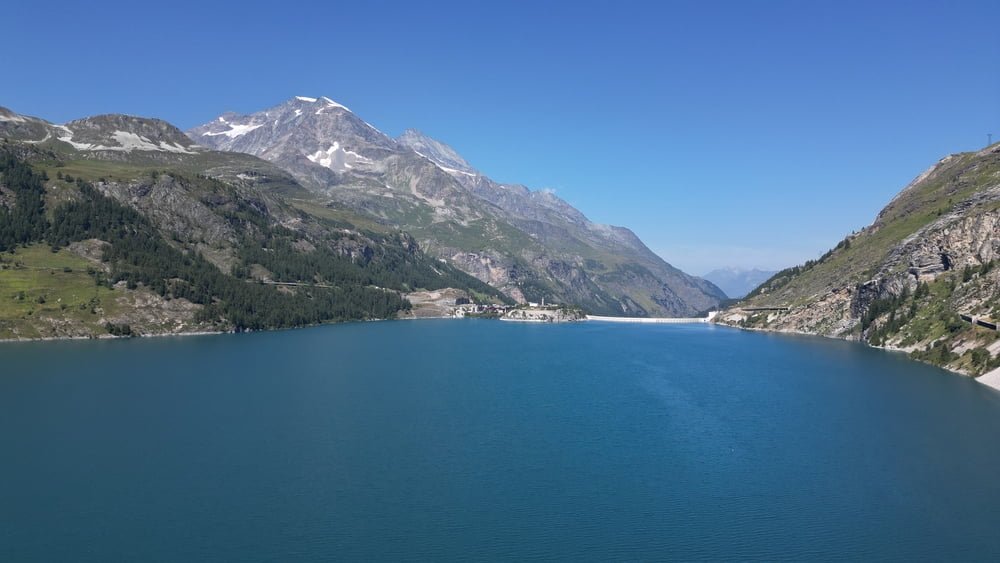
(726, 133)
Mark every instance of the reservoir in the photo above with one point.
(475, 440)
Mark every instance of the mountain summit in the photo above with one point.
(531, 245)
(305, 127)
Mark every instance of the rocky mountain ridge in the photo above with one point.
(436, 151)
(918, 279)
(530, 244)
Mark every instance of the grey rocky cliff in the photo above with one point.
(435, 151)
(22, 127)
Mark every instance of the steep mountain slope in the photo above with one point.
(168, 236)
(438, 152)
(906, 280)
(531, 245)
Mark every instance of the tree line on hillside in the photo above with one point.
(24, 222)
(383, 265)
(352, 289)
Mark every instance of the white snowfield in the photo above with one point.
(235, 130)
(337, 158)
(327, 102)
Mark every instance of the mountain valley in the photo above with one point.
(530, 244)
(303, 214)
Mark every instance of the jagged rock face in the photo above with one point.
(22, 127)
(529, 244)
(828, 315)
(126, 133)
(949, 244)
(488, 266)
(955, 240)
(435, 151)
(190, 213)
(864, 295)
(174, 209)
(302, 133)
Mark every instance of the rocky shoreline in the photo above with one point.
(990, 379)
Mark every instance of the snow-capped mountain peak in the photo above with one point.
(318, 129)
(323, 101)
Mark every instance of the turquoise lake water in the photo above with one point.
(482, 440)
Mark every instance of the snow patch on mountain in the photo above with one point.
(330, 102)
(68, 138)
(327, 103)
(337, 158)
(127, 142)
(132, 141)
(452, 170)
(235, 130)
(330, 106)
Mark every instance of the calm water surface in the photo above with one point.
(483, 440)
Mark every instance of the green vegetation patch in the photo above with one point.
(36, 283)
(338, 218)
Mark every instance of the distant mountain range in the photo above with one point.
(530, 244)
(737, 282)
